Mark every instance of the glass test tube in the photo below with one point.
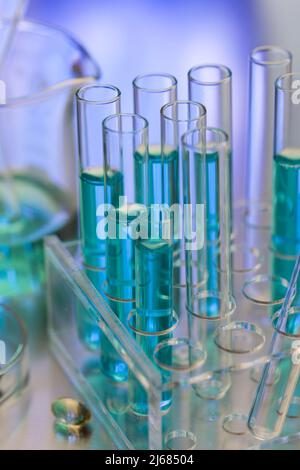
(125, 136)
(176, 119)
(206, 171)
(207, 214)
(281, 374)
(151, 92)
(154, 318)
(94, 103)
(267, 63)
(211, 85)
(285, 227)
(286, 167)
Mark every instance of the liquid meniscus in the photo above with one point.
(92, 195)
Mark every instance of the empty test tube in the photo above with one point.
(211, 85)
(267, 63)
(151, 92)
(281, 373)
(94, 103)
(178, 118)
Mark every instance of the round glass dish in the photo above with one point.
(14, 370)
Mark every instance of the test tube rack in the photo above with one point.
(211, 388)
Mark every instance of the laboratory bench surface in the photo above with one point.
(36, 429)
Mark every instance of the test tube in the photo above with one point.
(154, 318)
(125, 136)
(94, 103)
(211, 85)
(206, 169)
(286, 167)
(267, 63)
(178, 118)
(151, 92)
(281, 373)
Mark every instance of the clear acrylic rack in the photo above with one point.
(210, 379)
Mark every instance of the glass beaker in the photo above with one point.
(42, 71)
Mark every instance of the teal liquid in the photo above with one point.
(163, 177)
(88, 330)
(43, 210)
(120, 287)
(149, 323)
(286, 202)
(92, 192)
(211, 307)
(283, 267)
(93, 195)
(154, 275)
(120, 255)
(154, 306)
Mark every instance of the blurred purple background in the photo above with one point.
(129, 37)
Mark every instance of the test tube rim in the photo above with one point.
(200, 106)
(264, 278)
(226, 70)
(291, 311)
(223, 142)
(218, 295)
(288, 55)
(121, 115)
(278, 86)
(281, 256)
(98, 102)
(155, 74)
(20, 350)
(175, 341)
(253, 250)
(133, 313)
(179, 434)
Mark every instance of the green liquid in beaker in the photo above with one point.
(44, 209)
